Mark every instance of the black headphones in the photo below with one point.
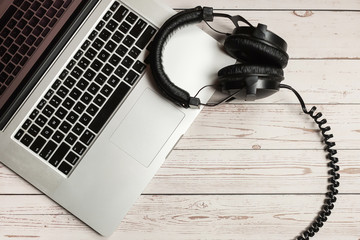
(261, 53)
(262, 56)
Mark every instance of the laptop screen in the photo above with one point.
(32, 33)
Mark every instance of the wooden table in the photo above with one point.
(253, 170)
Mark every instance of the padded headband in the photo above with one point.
(190, 16)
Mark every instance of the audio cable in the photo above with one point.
(330, 199)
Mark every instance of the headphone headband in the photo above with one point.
(190, 16)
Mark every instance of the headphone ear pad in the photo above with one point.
(234, 76)
(254, 52)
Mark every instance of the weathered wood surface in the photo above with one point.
(246, 170)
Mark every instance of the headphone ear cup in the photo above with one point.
(252, 78)
(255, 52)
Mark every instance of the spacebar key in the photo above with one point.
(109, 107)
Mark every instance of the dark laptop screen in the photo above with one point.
(32, 33)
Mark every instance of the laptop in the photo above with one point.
(80, 116)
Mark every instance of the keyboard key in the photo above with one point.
(68, 103)
(58, 3)
(7, 15)
(138, 28)
(48, 150)
(38, 144)
(71, 138)
(75, 94)
(145, 37)
(89, 74)
(92, 109)
(48, 111)
(69, 82)
(107, 15)
(87, 137)
(124, 27)
(109, 107)
(105, 34)
(41, 104)
(48, 94)
(85, 119)
(72, 117)
(110, 46)
(112, 25)
(117, 37)
(72, 158)
(78, 129)
(131, 18)
(65, 127)
(115, 60)
(139, 67)
(63, 74)
(26, 140)
(107, 69)
(59, 154)
(26, 124)
(120, 71)
(19, 134)
(91, 53)
(93, 88)
(82, 84)
(84, 63)
(55, 101)
(85, 45)
(134, 52)
(97, 44)
(58, 136)
(106, 90)
(47, 132)
(120, 13)
(127, 62)
(70, 65)
(34, 130)
(86, 98)
(122, 50)
(114, 6)
(41, 120)
(78, 54)
(100, 25)
(54, 122)
(104, 55)
(99, 100)
(77, 72)
(62, 92)
(96, 65)
(131, 77)
(61, 113)
(79, 108)
(79, 148)
(65, 168)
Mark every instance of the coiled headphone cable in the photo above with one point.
(330, 199)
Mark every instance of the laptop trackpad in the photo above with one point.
(147, 127)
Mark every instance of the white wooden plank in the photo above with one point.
(244, 126)
(187, 217)
(268, 5)
(318, 81)
(235, 171)
(317, 34)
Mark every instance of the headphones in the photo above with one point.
(262, 57)
(261, 53)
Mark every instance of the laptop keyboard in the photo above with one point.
(23, 27)
(73, 110)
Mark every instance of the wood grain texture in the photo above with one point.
(186, 217)
(268, 5)
(245, 170)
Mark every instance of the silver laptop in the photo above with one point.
(80, 117)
